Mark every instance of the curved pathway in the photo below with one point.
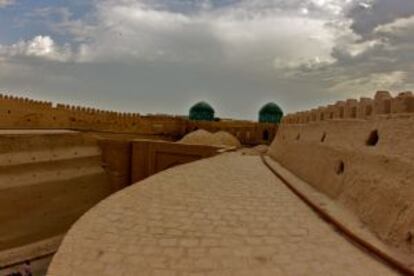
(226, 215)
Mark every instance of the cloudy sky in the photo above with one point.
(160, 56)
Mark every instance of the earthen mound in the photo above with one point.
(198, 137)
(204, 137)
(227, 139)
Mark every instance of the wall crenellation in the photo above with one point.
(20, 112)
(97, 112)
(364, 108)
(9, 99)
(16, 112)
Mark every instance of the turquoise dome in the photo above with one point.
(201, 111)
(270, 113)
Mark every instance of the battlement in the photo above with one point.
(24, 113)
(364, 108)
(8, 99)
(30, 103)
(97, 112)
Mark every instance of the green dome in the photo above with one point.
(270, 113)
(202, 111)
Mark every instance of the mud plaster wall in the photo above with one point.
(150, 157)
(47, 181)
(25, 113)
(366, 164)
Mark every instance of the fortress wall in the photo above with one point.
(361, 154)
(48, 179)
(22, 113)
(364, 108)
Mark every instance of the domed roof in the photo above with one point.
(270, 113)
(202, 106)
(202, 111)
(271, 108)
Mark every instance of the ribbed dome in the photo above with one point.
(202, 111)
(270, 113)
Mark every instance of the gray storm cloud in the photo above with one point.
(367, 15)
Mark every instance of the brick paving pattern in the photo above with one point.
(227, 215)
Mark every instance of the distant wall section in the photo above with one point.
(26, 113)
(23, 113)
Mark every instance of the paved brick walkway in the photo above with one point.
(227, 215)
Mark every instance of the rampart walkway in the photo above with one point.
(226, 215)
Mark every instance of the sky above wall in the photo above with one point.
(161, 56)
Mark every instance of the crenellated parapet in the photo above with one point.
(25, 113)
(17, 112)
(364, 108)
(22, 101)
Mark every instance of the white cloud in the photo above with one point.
(365, 85)
(40, 47)
(249, 33)
(246, 33)
(399, 27)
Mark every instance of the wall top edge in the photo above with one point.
(381, 104)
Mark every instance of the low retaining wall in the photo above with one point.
(48, 179)
(150, 157)
(366, 165)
